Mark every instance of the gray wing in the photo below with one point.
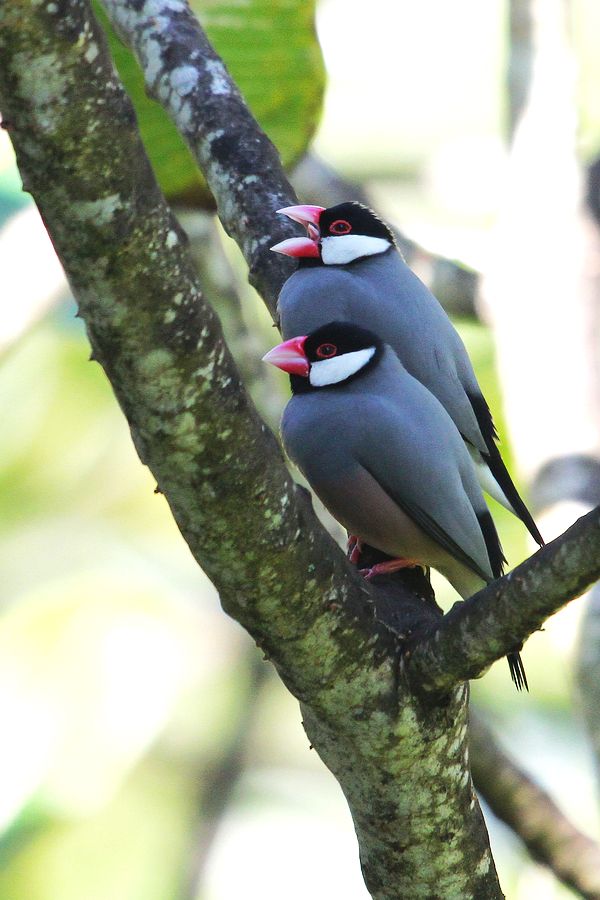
(408, 445)
(433, 352)
(415, 452)
(426, 342)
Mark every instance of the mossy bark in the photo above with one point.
(400, 756)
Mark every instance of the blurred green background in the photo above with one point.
(148, 753)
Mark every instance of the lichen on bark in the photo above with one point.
(400, 756)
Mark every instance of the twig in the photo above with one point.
(484, 628)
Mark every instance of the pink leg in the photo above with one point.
(386, 568)
(354, 549)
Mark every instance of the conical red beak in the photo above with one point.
(290, 357)
(302, 248)
(298, 247)
(303, 214)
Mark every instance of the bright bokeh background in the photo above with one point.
(123, 686)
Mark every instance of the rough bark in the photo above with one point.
(401, 758)
(183, 72)
(461, 644)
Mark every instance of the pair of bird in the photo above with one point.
(387, 421)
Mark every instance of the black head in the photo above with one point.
(353, 218)
(338, 338)
(347, 350)
(337, 236)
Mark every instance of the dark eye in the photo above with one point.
(340, 226)
(326, 351)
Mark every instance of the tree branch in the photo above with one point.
(484, 628)
(240, 164)
(532, 814)
(252, 531)
(401, 761)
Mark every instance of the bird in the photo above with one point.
(384, 457)
(350, 269)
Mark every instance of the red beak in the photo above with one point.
(290, 357)
(298, 247)
(307, 247)
(303, 214)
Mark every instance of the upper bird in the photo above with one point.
(350, 269)
(385, 458)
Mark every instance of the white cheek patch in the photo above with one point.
(336, 251)
(338, 368)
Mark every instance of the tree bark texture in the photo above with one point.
(400, 755)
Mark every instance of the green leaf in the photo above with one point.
(271, 50)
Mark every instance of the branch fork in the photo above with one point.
(400, 755)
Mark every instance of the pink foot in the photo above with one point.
(386, 568)
(354, 549)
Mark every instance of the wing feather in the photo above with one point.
(497, 467)
(434, 530)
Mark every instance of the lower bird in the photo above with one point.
(386, 459)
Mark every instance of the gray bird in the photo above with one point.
(386, 460)
(350, 269)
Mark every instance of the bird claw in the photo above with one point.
(388, 567)
(354, 548)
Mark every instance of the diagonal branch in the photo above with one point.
(241, 166)
(220, 469)
(401, 761)
(173, 41)
(483, 629)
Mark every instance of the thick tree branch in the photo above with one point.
(484, 628)
(402, 762)
(240, 164)
(403, 771)
(532, 814)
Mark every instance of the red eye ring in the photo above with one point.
(340, 226)
(326, 351)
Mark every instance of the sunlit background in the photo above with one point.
(148, 752)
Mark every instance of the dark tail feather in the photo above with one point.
(517, 671)
(497, 467)
(492, 542)
(500, 473)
